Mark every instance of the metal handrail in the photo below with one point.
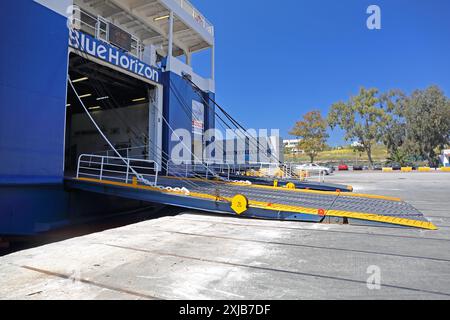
(291, 168)
(98, 31)
(100, 167)
(208, 166)
(196, 15)
(187, 168)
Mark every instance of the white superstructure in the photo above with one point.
(163, 32)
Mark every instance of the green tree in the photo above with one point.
(427, 118)
(395, 132)
(362, 118)
(398, 156)
(312, 131)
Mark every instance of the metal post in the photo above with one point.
(101, 169)
(78, 169)
(213, 62)
(170, 48)
(128, 170)
(188, 58)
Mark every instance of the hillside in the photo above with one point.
(342, 155)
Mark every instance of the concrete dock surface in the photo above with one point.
(199, 256)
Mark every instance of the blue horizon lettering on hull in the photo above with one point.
(103, 51)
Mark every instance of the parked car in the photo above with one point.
(343, 167)
(329, 166)
(377, 167)
(396, 166)
(358, 168)
(314, 168)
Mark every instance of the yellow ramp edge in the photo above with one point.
(347, 214)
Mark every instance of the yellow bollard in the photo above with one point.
(239, 204)
(291, 186)
(424, 169)
(388, 170)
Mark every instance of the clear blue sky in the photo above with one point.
(274, 64)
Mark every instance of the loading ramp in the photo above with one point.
(255, 201)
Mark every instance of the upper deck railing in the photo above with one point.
(196, 15)
(98, 27)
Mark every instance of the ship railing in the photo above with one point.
(117, 169)
(264, 168)
(206, 168)
(131, 152)
(200, 169)
(196, 15)
(293, 172)
(98, 27)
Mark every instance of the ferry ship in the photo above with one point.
(91, 92)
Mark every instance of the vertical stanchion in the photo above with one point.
(156, 173)
(78, 169)
(101, 169)
(128, 170)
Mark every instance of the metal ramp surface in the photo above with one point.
(264, 201)
(311, 185)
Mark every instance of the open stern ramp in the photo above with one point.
(260, 201)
